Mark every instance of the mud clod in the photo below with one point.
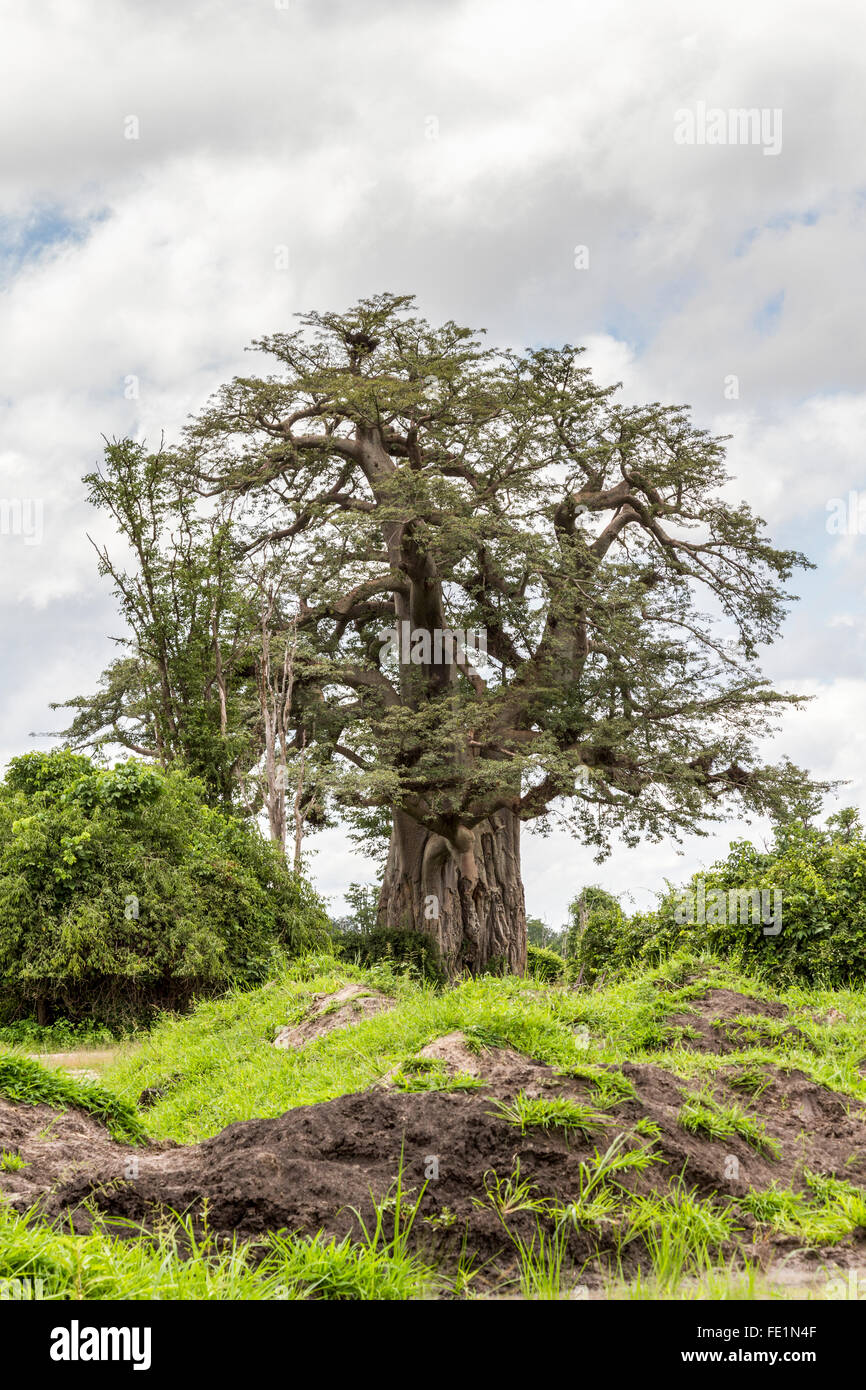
(327, 1012)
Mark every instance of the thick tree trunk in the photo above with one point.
(469, 900)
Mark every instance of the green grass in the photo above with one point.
(681, 1233)
(612, 1089)
(827, 1212)
(180, 1261)
(751, 1079)
(422, 1075)
(507, 1195)
(526, 1113)
(701, 1114)
(177, 1263)
(218, 1064)
(707, 1280)
(542, 1261)
(29, 1083)
(676, 1233)
(600, 1200)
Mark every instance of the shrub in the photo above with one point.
(819, 876)
(601, 939)
(396, 945)
(544, 964)
(122, 892)
(538, 933)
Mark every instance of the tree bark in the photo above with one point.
(467, 898)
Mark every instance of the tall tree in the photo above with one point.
(419, 481)
(181, 692)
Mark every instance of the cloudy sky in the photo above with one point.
(178, 178)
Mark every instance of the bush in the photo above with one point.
(544, 964)
(358, 937)
(538, 933)
(598, 940)
(397, 945)
(122, 892)
(819, 877)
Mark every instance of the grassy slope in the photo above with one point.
(219, 1064)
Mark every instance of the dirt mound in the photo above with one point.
(330, 1011)
(506, 1072)
(454, 1053)
(57, 1146)
(320, 1166)
(723, 1021)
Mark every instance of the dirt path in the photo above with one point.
(87, 1062)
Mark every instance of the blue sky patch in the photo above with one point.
(42, 230)
(766, 320)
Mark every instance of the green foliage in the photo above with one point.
(433, 1077)
(374, 422)
(60, 1036)
(828, 1212)
(177, 1261)
(385, 465)
(358, 937)
(538, 933)
(363, 900)
(28, 1083)
(122, 892)
(542, 1260)
(820, 877)
(399, 946)
(815, 877)
(184, 690)
(543, 964)
(611, 1089)
(217, 1064)
(599, 935)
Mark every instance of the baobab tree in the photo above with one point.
(415, 484)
